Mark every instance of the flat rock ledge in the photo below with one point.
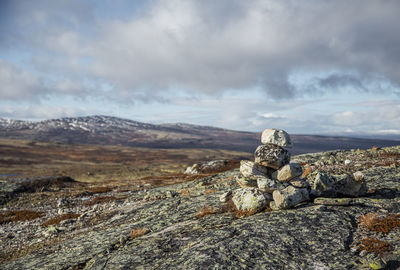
(321, 235)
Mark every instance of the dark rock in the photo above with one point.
(271, 156)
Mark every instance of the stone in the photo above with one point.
(226, 196)
(347, 185)
(323, 185)
(271, 156)
(288, 172)
(320, 208)
(249, 199)
(347, 162)
(266, 184)
(299, 183)
(249, 169)
(358, 176)
(61, 202)
(208, 167)
(289, 197)
(333, 201)
(277, 137)
(273, 206)
(246, 182)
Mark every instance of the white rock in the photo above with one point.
(289, 197)
(246, 182)
(249, 169)
(288, 172)
(266, 184)
(346, 185)
(323, 185)
(249, 199)
(358, 176)
(347, 162)
(276, 136)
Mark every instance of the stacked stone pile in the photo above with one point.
(272, 179)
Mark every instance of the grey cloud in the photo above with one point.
(341, 80)
(211, 46)
(17, 84)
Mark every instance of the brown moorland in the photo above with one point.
(94, 163)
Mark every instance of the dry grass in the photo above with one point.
(380, 224)
(374, 245)
(95, 163)
(205, 211)
(57, 220)
(19, 215)
(184, 192)
(210, 191)
(100, 189)
(135, 233)
(306, 172)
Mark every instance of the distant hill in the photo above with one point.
(107, 130)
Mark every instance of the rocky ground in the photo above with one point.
(58, 223)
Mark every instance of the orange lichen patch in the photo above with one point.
(306, 172)
(224, 180)
(103, 199)
(57, 220)
(374, 245)
(210, 191)
(135, 233)
(206, 210)
(240, 214)
(19, 215)
(184, 192)
(100, 189)
(380, 224)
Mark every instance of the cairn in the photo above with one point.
(275, 181)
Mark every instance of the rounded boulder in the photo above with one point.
(277, 137)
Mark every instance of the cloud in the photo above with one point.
(209, 47)
(17, 84)
(379, 117)
(34, 112)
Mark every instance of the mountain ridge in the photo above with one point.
(110, 130)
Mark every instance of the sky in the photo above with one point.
(306, 66)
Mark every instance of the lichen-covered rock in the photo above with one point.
(323, 185)
(288, 172)
(276, 136)
(246, 182)
(266, 184)
(209, 167)
(333, 201)
(299, 183)
(249, 199)
(271, 156)
(308, 237)
(250, 169)
(347, 185)
(289, 197)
